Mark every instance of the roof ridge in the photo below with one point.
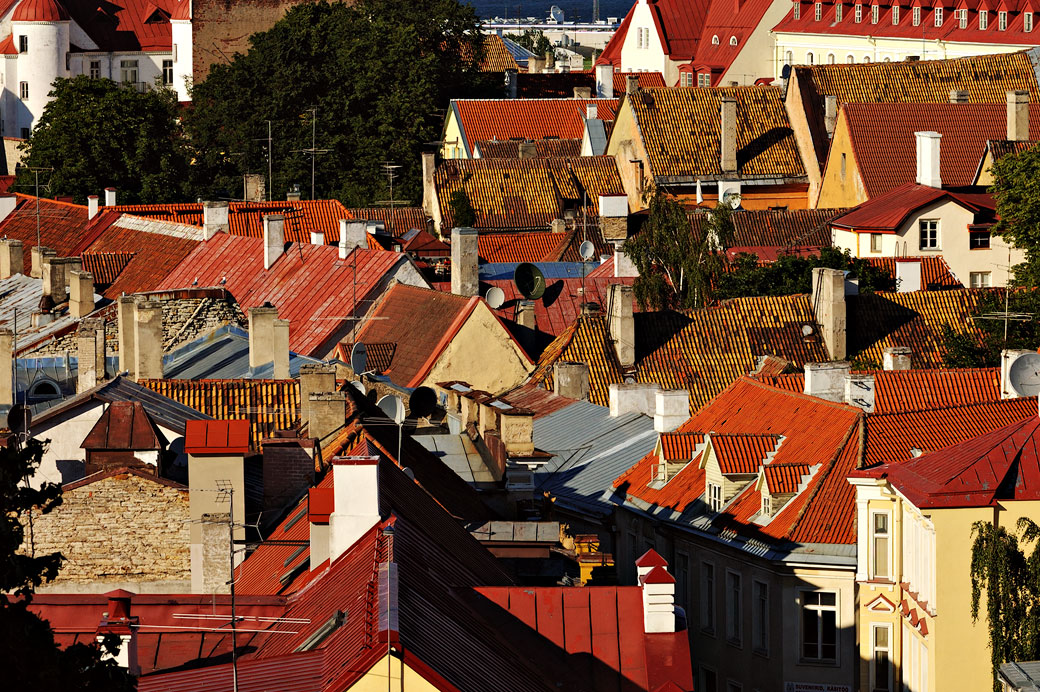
(826, 472)
(800, 395)
(948, 407)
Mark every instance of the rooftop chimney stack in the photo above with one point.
(510, 79)
(327, 413)
(605, 81)
(571, 379)
(658, 587)
(728, 132)
(859, 391)
(356, 505)
(6, 367)
(550, 60)
(81, 294)
(826, 380)
(214, 219)
(90, 365)
(320, 504)
(591, 111)
(638, 397)
(269, 340)
(465, 280)
(110, 197)
(828, 303)
(622, 323)
(92, 206)
(118, 621)
(928, 158)
(274, 238)
(12, 258)
(671, 409)
(631, 84)
(429, 200)
(315, 378)
(54, 280)
(528, 149)
(1018, 116)
(958, 96)
(353, 233)
(38, 254)
(830, 114)
(148, 340)
(908, 276)
(897, 358)
(127, 305)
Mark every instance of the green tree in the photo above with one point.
(30, 657)
(461, 209)
(790, 274)
(1016, 188)
(677, 267)
(991, 333)
(379, 73)
(96, 133)
(533, 40)
(1010, 579)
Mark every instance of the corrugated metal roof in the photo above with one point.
(222, 354)
(19, 298)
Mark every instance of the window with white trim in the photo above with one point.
(704, 79)
(714, 497)
(980, 279)
(789, 58)
(715, 40)
(929, 233)
(881, 545)
(850, 59)
(895, 14)
(983, 19)
(1001, 21)
(838, 11)
(819, 626)
(819, 11)
(859, 12)
(128, 71)
(809, 58)
(23, 90)
(938, 16)
(1027, 22)
(167, 72)
(760, 616)
(875, 242)
(962, 18)
(830, 58)
(881, 660)
(734, 611)
(95, 69)
(797, 10)
(733, 40)
(707, 598)
(875, 14)
(918, 559)
(866, 58)
(917, 16)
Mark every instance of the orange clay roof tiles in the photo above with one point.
(777, 228)
(784, 479)
(999, 148)
(105, 266)
(544, 148)
(935, 273)
(679, 446)
(681, 132)
(496, 57)
(647, 80)
(741, 454)
(565, 298)
(483, 120)
(540, 246)
(398, 220)
(526, 193)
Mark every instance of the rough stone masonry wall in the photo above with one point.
(123, 528)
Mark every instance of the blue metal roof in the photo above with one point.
(491, 271)
(222, 354)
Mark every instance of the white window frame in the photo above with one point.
(917, 16)
(983, 19)
(938, 17)
(819, 11)
(874, 573)
(167, 72)
(734, 608)
(875, 650)
(797, 9)
(838, 11)
(803, 605)
(895, 15)
(715, 40)
(765, 506)
(875, 14)
(760, 617)
(1027, 22)
(980, 279)
(714, 491)
(23, 90)
(707, 598)
(830, 58)
(934, 244)
(962, 18)
(859, 12)
(1001, 21)
(789, 58)
(129, 68)
(850, 59)
(809, 58)
(733, 40)
(876, 242)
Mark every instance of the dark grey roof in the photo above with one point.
(590, 450)
(222, 354)
(1022, 676)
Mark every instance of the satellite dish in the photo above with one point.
(587, 250)
(393, 407)
(529, 281)
(785, 73)
(495, 297)
(1024, 374)
(806, 330)
(19, 418)
(358, 358)
(422, 402)
(358, 385)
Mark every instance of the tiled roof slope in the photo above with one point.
(550, 85)
(935, 273)
(62, 226)
(398, 220)
(727, 21)
(1001, 465)
(309, 284)
(268, 405)
(526, 193)
(246, 218)
(544, 148)
(815, 432)
(879, 320)
(1000, 148)
(883, 142)
(703, 351)
(645, 80)
(39, 11)
(483, 120)
(778, 228)
(681, 132)
(496, 58)
(678, 25)
(540, 246)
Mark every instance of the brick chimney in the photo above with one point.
(37, 255)
(274, 238)
(269, 340)
(12, 258)
(605, 81)
(118, 621)
(1018, 116)
(826, 380)
(356, 499)
(828, 303)
(622, 323)
(327, 413)
(958, 96)
(214, 219)
(92, 207)
(81, 294)
(658, 587)
(571, 379)
(631, 84)
(6, 367)
(110, 197)
(728, 135)
(928, 159)
(897, 358)
(148, 340)
(510, 83)
(90, 344)
(464, 257)
(320, 504)
(671, 409)
(315, 378)
(127, 347)
(352, 234)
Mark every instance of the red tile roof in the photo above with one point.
(309, 284)
(742, 453)
(7, 46)
(782, 229)
(544, 148)
(882, 138)
(782, 479)
(105, 266)
(678, 25)
(540, 246)
(484, 120)
(1001, 465)
(935, 273)
(679, 446)
(134, 25)
(887, 212)
(647, 80)
(62, 226)
(216, 437)
(728, 21)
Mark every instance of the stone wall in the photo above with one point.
(122, 529)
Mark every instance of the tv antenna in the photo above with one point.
(36, 173)
(313, 151)
(390, 168)
(270, 156)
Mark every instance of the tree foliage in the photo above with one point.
(981, 347)
(533, 40)
(96, 133)
(677, 268)
(1016, 188)
(1010, 579)
(790, 275)
(380, 74)
(461, 209)
(30, 657)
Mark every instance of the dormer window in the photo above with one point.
(938, 16)
(715, 497)
(732, 40)
(962, 19)
(895, 14)
(875, 12)
(1001, 21)
(917, 16)
(1027, 22)
(797, 10)
(715, 40)
(819, 11)
(23, 44)
(838, 11)
(983, 19)
(765, 505)
(859, 12)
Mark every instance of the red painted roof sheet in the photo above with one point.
(883, 142)
(7, 46)
(39, 11)
(742, 453)
(133, 25)
(62, 226)
(886, 213)
(309, 284)
(124, 425)
(216, 437)
(485, 120)
(540, 246)
(398, 220)
(727, 21)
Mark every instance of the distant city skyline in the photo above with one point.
(573, 9)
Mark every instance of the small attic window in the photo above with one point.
(715, 40)
(322, 633)
(732, 40)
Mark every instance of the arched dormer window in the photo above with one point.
(732, 40)
(715, 40)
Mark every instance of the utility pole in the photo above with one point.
(270, 155)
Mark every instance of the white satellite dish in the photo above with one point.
(495, 297)
(358, 385)
(587, 250)
(1024, 374)
(807, 330)
(358, 358)
(393, 407)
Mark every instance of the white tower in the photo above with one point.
(40, 30)
(180, 21)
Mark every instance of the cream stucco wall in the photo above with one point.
(756, 57)
(626, 146)
(391, 674)
(842, 184)
(484, 354)
(650, 58)
(799, 121)
(452, 146)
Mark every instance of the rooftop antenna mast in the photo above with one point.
(270, 156)
(36, 172)
(313, 151)
(390, 168)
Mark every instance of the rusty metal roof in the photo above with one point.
(124, 425)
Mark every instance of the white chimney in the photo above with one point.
(320, 505)
(826, 380)
(897, 358)
(928, 159)
(352, 234)
(605, 81)
(92, 206)
(591, 111)
(908, 276)
(830, 114)
(214, 219)
(317, 238)
(274, 238)
(658, 587)
(110, 197)
(672, 409)
(356, 505)
(640, 397)
(1018, 116)
(859, 391)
